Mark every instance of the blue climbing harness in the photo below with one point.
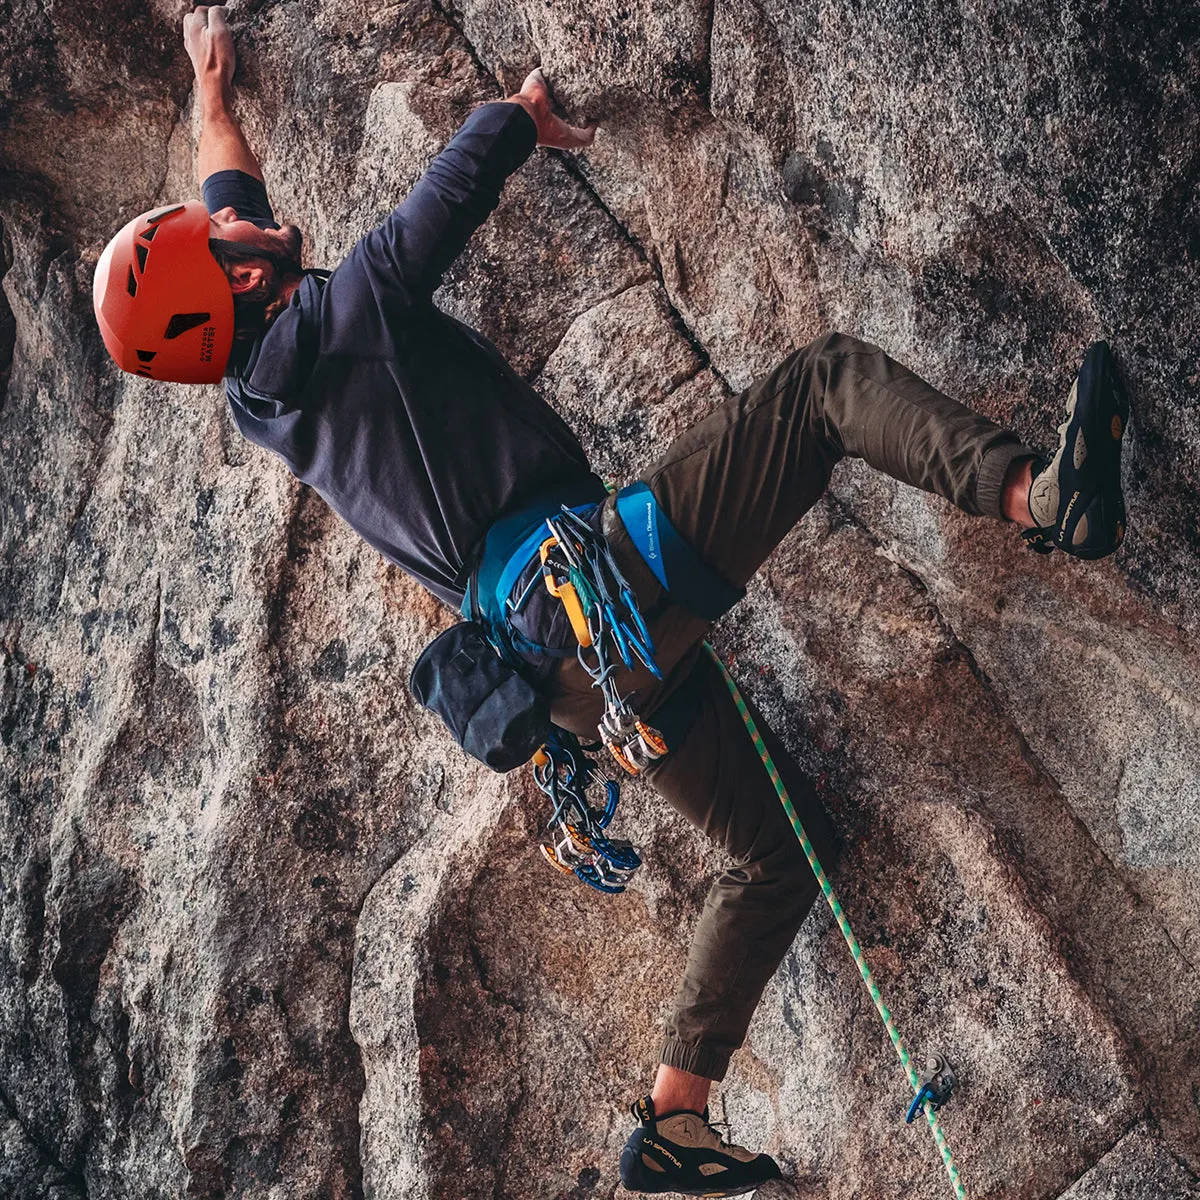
(579, 569)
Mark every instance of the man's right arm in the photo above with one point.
(418, 242)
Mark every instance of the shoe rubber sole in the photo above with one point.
(1101, 415)
(1089, 461)
(640, 1180)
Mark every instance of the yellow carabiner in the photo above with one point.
(565, 592)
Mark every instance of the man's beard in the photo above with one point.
(279, 253)
(280, 247)
(291, 244)
(254, 312)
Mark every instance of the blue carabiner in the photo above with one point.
(618, 636)
(632, 605)
(918, 1102)
(591, 877)
(624, 858)
(612, 793)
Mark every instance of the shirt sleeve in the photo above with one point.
(241, 192)
(415, 245)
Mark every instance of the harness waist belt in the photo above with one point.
(513, 540)
(685, 576)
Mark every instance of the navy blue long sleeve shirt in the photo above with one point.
(410, 424)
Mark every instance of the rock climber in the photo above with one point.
(413, 427)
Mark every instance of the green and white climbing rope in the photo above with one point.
(835, 906)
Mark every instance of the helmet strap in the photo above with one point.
(249, 317)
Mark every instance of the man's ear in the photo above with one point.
(245, 277)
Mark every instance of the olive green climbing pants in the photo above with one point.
(733, 486)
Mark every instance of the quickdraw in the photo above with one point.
(579, 845)
(578, 568)
(937, 1086)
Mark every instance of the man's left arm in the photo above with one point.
(209, 44)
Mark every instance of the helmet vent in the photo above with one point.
(147, 235)
(162, 216)
(131, 283)
(146, 355)
(142, 254)
(182, 322)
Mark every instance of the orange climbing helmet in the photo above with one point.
(163, 303)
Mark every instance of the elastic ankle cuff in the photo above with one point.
(697, 1058)
(989, 482)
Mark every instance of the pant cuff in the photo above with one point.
(989, 482)
(697, 1058)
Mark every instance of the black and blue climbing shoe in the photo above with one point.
(681, 1152)
(1076, 498)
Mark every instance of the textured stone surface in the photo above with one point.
(265, 934)
(1138, 1168)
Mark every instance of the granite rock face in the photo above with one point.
(266, 934)
(1136, 1167)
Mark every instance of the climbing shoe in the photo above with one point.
(681, 1152)
(1075, 498)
